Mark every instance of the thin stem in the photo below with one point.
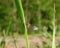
(54, 30)
(7, 32)
(12, 33)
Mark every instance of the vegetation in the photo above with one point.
(29, 17)
(22, 19)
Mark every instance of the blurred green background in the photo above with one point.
(39, 15)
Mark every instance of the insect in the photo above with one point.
(30, 26)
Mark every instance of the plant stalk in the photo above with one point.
(22, 19)
(54, 29)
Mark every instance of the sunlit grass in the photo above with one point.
(54, 29)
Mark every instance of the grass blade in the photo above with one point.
(22, 19)
(54, 30)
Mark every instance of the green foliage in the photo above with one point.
(32, 10)
(2, 43)
(32, 13)
(45, 45)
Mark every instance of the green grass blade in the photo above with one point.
(54, 30)
(7, 32)
(22, 19)
(8, 28)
